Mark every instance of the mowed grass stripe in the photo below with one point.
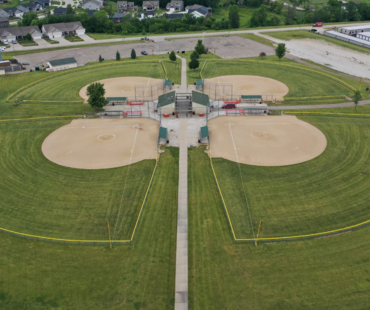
(327, 273)
(83, 277)
(45, 199)
(327, 193)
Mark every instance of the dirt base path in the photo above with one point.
(102, 143)
(265, 140)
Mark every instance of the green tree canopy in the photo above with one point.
(100, 58)
(27, 19)
(69, 10)
(356, 98)
(28, 37)
(200, 49)
(96, 93)
(193, 64)
(280, 50)
(133, 54)
(234, 18)
(172, 56)
(118, 56)
(194, 55)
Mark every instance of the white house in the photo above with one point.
(61, 64)
(14, 33)
(198, 10)
(11, 12)
(92, 5)
(124, 7)
(150, 5)
(63, 29)
(175, 6)
(146, 14)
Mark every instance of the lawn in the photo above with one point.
(38, 275)
(304, 34)
(327, 273)
(51, 41)
(73, 38)
(301, 83)
(106, 36)
(27, 43)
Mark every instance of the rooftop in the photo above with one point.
(64, 61)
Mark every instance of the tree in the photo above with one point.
(262, 54)
(28, 18)
(172, 56)
(234, 18)
(193, 64)
(100, 58)
(133, 54)
(69, 10)
(96, 93)
(194, 55)
(118, 56)
(280, 50)
(28, 37)
(356, 98)
(200, 49)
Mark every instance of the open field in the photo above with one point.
(53, 88)
(304, 34)
(327, 193)
(328, 273)
(38, 275)
(301, 83)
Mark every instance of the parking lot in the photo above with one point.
(225, 47)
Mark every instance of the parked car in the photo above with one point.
(2, 48)
(228, 106)
(318, 24)
(144, 53)
(313, 30)
(6, 42)
(14, 42)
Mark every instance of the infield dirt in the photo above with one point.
(102, 143)
(265, 140)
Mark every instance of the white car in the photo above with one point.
(6, 42)
(2, 48)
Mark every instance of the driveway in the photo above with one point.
(43, 44)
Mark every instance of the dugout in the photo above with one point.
(251, 98)
(200, 102)
(256, 111)
(163, 135)
(116, 100)
(166, 103)
(204, 135)
(109, 114)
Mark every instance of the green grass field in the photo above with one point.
(323, 194)
(301, 83)
(305, 34)
(39, 275)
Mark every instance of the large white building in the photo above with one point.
(354, 30)
(364, 36)
(61, 64)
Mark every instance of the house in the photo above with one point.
(147, 14)
(61, 64)
(90, 13)
(176, 6)
(60, 11)
(14, 33)
(150, 5)
(199, 11)
(4, 13)
(354, 30)
(44, 3)
(125, 7)
(92, 5)
(174, 16)
(13, 12)
(4, 22)
(30, 7)
(63, 29)
(118, 17)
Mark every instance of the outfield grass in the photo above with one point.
(305, 34)
(73, 80)
(328, 273)
(38, 275)
(327, 193)
(301, 83)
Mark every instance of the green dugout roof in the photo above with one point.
(116, 98)
(168, 83)
(166, 99)
(200, 98)
(199, 82)
(251, 97)
(64, 61)
(163, 133)
(204, 132)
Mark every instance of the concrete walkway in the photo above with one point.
(181, 281)
(318, 106)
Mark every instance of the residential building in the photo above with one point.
(14, 33)
(12, 12)
(4, 13)
(150, 5)
(44, 3)
(199, 10)
(30, 7)
(176, 6)
(125, 7)
(4, 22)
(92, 5)
(147, 14)
(63, 29)
(118, 18)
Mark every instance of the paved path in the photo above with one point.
(181, 281)
(318, 106)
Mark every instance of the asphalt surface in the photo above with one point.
(225, 47)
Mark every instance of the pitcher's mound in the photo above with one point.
(265, 140)
(102, 143)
